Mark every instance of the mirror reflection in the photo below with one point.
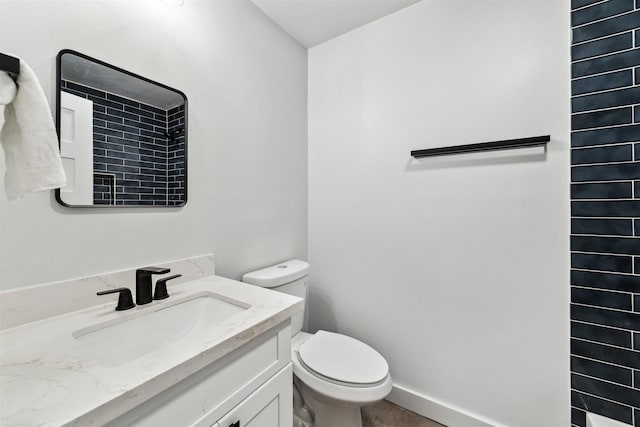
(122, 137)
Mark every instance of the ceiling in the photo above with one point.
(312, 22)
(77, 69)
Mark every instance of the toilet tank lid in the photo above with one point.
(278, 275)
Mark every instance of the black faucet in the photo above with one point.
(143, 283)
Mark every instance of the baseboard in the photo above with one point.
(437, 411)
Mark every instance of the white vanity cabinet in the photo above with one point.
(269, 406)
(249, 387)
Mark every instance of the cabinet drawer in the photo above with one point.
(211, 392)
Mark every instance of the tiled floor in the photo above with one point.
(386, 414)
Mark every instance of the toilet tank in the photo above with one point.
(289, 277)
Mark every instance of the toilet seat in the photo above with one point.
(351, 392)
(343, 359)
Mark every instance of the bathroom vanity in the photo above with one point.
(216, 353)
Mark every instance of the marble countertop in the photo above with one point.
(48, 379)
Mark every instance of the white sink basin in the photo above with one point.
(145, 330)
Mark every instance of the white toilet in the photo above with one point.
(334, 374)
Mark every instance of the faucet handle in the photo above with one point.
(125, 300)
(161, 287)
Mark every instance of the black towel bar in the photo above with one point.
(483, 146)
(9, 64)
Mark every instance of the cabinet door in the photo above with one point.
(269, 406)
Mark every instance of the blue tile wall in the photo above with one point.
(176, 154)
(605, 210)
(135, 163)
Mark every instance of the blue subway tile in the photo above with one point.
(122, 155)
(618, 393)
(122, 141)
(107, 160)
(123, 128)
(607, 63)
(605, 317)
(601, 370)
(122, 100)
(605, 136)
(636, 270)
(155, 135)
(138, 125)
(578, 417)
(158, 197)
(602, 407)
(139, 164)
(618, 24)
(156, 110)
(109, 132)
(575, 4)
(604, 46)
(150, 121)
(600, 11)
(106, 102)
(124, 114)
(128, 196)
(101, 189)
(615, 263)
(609, 190)
(152, 159)
(119, 168)
(138, 111)
(601, 298)
(76, 93)
(108, 146)
(614, 282)
(637, 221)
(107, 117)
(637, 188)
(616, 153)
(86, 90)
(153, 147)
(130, 183)
(605, 245)
(131, 136)
(616, 116)
(154, 171)
(614, 171)
(611, 227)
(137, 176)
(614, 98)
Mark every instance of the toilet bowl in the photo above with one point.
(334, 374)
(333, 391)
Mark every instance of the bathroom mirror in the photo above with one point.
(123, 137)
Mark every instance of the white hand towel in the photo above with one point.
(29, 139)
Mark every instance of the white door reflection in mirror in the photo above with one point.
(76, 149)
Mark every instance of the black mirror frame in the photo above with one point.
(186, 136)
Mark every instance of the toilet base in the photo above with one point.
(329, 412)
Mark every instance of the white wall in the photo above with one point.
(247, 89)
(456, 268)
